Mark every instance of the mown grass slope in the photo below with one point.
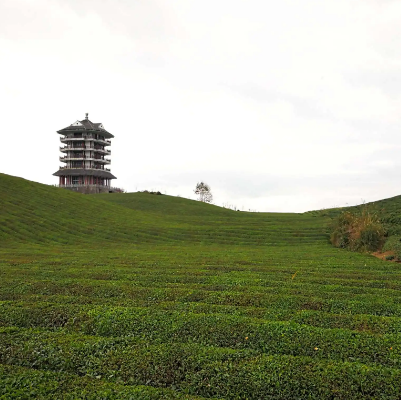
(36, 213)
(173, 319)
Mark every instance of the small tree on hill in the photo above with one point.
(204, 192)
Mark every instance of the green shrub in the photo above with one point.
(359, 230)
(393, 243)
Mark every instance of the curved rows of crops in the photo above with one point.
(310, 322)
(152, 319)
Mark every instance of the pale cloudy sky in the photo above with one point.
(279, 105)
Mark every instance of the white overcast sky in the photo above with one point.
(283, 105)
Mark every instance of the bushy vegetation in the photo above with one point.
(234, 306)
(359, 229)
(367, 227)
(393, 245)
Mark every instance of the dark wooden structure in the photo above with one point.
(84, 155)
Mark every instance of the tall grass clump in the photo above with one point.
(359, 230)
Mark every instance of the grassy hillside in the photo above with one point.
(31, 212)
(167, 318)
(386, 212)
(389, 211)
(390, 214)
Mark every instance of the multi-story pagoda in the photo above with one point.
(85, 148)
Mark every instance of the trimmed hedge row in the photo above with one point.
(269, 337)
(23, 383)
(56, 315)
(179, 285)
(348, 300)
(195, 369)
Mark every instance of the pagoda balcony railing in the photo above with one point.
(84, 158)
(96, 168)
(85, 138)
(101, 151)
(65, 149)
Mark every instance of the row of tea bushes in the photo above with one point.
(220, 330)
(192, 368)
(345, 314)
(30, 384)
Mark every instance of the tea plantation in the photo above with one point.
(138, 296)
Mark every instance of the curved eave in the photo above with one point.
(72, 129)
(85, 172)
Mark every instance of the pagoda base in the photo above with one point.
(91, 189)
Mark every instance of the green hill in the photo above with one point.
(138, 296)
(389, 211)
(386, 211)
(31, 212)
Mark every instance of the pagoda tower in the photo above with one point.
(84, 152)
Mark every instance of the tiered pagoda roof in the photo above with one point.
(86, 125)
